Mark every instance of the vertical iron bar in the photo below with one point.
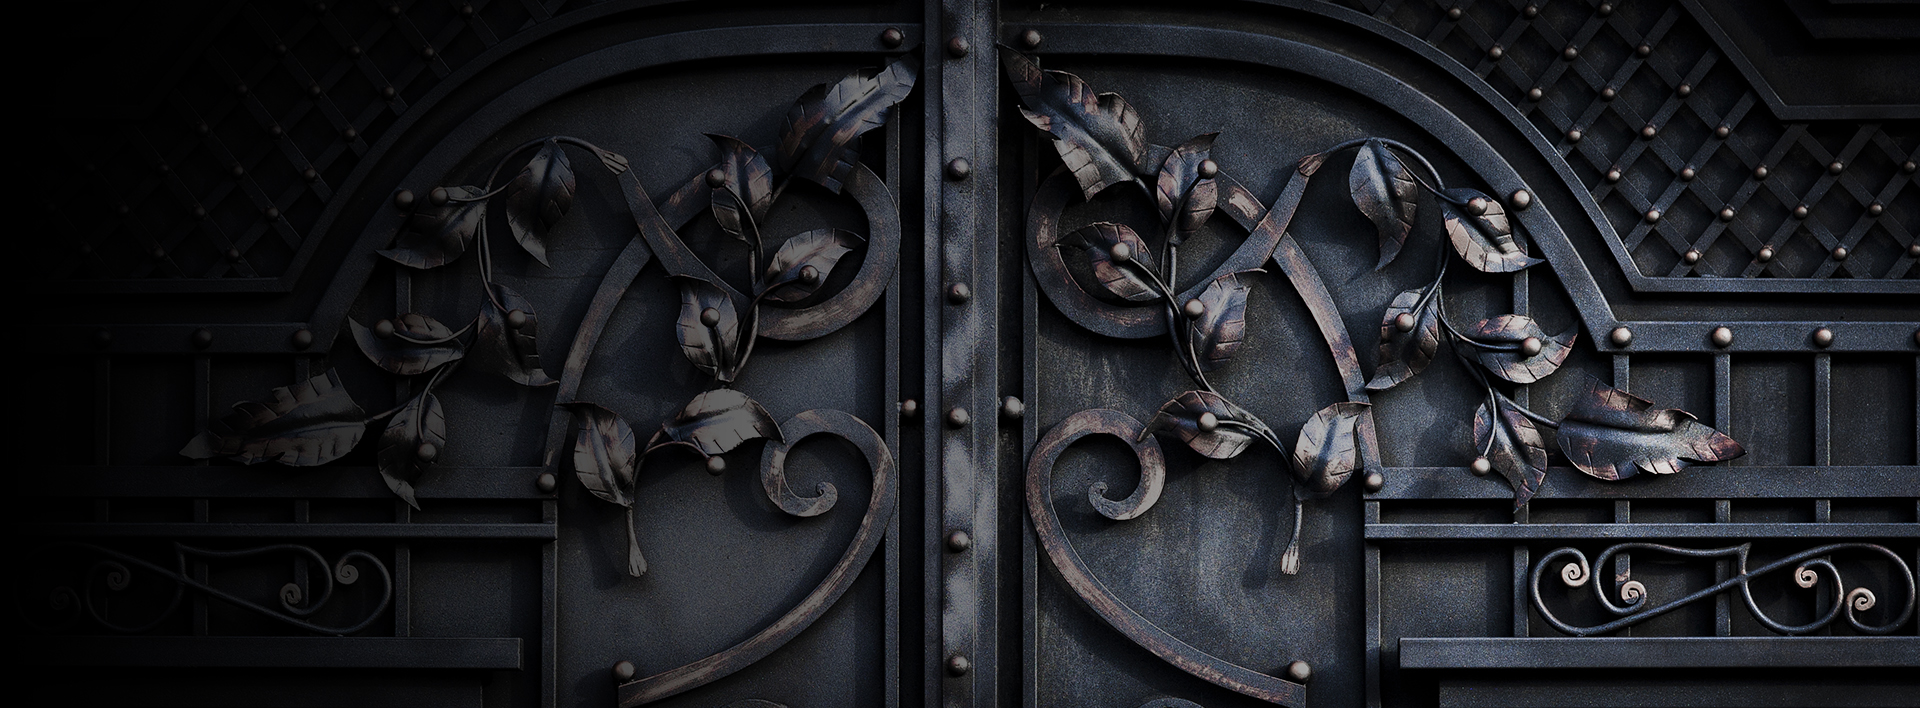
(103, 410)
(549, 609)
(1522, 555)
(1030, 431)
(402, 512)
(1622, 509)
(1822, 409)
(932, 94)
(891, 429)
(1371, 515)
(202, 511)
(1723, 508)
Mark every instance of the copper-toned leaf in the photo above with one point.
(414, 438)
(1185, 198)
(311, 423)
(605, 454)
(1484, 241)
(1405, 352)
(1220, 330)
(1126, 280)
(1213, 426)
(435, 236)
(1514, 364)
(788, 276)
(1328, 449)
(417, 344)
(1611, 434)
(749, 181)
(538, 197)
(503, 348)
(1099, 137)
(819, 141)
(718, 421)
(709, 327)
(1385, 192)
(1513, 444)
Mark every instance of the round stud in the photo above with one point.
(716, 178)
(1907, 167)
(1208, 422)
(121, 208)
(1573, 136)
(383, 329)
(809, 275)
(1726, 214)
(1530, 11)
(1760, 172)
(1299, 672)
(388, 93)
(1477, 206)
(1194, 309)
(1687, 174)
(1031, 38)
(909, 408)
(438, 196)
(892, 37)
(202, 338)
(393, 10)
(1605, 9)
(238, 171)
(426, 452)
(1765, 254)
(959, 168)
(957, 418)
(1455, 13)
(1608, 94)
(158, 253)
(1836, 167)
(1684, 90)
(1403, 322)
(1530, 346)
(1520, 199)
(241, 89)
(320, 7)
(1643, 51)
(958, 665)
(546, 483)
(275, 130)
(1823, 337)
(313, 90)
(402, 199)
(716, 465)
(163, 168)
(1722, 337)
(426, 52)
(310, 174)
(350, 134)
(354, 50)
(517, 318)
(1012, 408)
(272, 213)
(1621, 336)
(959, 293)
(1122, 253)
(1722, 132)
(709, 316)
(201, 128)
(958, 47)
(1481, 466)
(1800, 212)
(1840, 253)
(1208, 169)
(959, 541)
(233, 255)
(1913, 250)
(199, 212)
(1613, 175)
(1496, 52)
(302, 338)
(1875, 209)
(1570, 53)
(1535, 94)
(1652, 216)
(1692, 256)
(1374, 482)
(280, 48)
(623, 671)
(1649, 131)
(102, 338)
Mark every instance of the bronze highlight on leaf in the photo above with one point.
(1099, 136)
(539, 196)
(304, 425)
(1611, 434)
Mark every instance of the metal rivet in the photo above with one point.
(1800, 212)
(958, 541)
(1031, 38)
(623, 671)
(1477, 206)
(201, 128)
(1722, 337)
(320, 7)
(1481, 466)
(1208, 422)
(121, 208)
(709, 316)
(1194, 309)
(233, 255)
(438, 196)
(1875, 209)
(957, 418)
(158, 253)
(280, 48)
(1760, 172)
(1121, 253)
(354, 50)
(313, 90)
(1823, 337)
(202, 338)
(1208, 169)
(384, 329)
(1374, 482)
(1530, 11)
(238, 171)
(302, 338)
(1535, 94)
(1908, 167)
(1687, 174)
(1622, 336)
(1573, 136)
(1836, 167)
(1012, 408)
(350, 134)
(1653, 216)
(1839, 253)
(809, 275)
(958, 47)
(1649, 131)
(275, 130)
(310, 174)
(393, 10)
(426, 52)
(1692, 256)
(426, 452)
(1606, 8)
(1765, 254)
(102, 338)
(1403, 322)
(1913, 250)
(240, 89)
(1454, 13)
(716, 465)
(546, 482)
(1722, 132)
(1613, 175)
(517, 318)
(959, 168)
(909, 408)
(272, 213)
(403, 199)
(1530, 346)
(1685, 90)
(1608, 94)
(1496, 53)
(959, 293)
(958, 665)
(1520, 199)
(1570, 53)
(1643, 50)
(388, 93)
(716, 178)
(892, 37)
(1726, 214)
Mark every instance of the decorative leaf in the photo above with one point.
(1611, 434)
(404, 452)
(820, 139)
(538, 197)
(819, 249)
(1328, 450)
(417, 345)
(749, 180)
(1404, 353)
(1099, 137)
(1513, 444)
(1484, 241)
(709, 327)
(503, 348)
(605, 456)
(435, 236)
(1219, 331)
(1181, 192)
(1385, 192)
(1230, 430)
(1515, 364)
(307, 424)
(1122, 279)
(718, 421)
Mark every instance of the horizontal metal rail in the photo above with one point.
(1727, 482)
(1564, 532)
(184, 482)
(1658, 652)
(510, 531)
(279, 652)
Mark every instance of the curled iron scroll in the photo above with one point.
(873, 526)
(1053, 539)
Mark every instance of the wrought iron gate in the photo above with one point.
(1266, 352)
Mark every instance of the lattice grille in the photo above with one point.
(1671, 140)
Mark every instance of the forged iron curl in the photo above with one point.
(116, 573)
(1806, 567)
